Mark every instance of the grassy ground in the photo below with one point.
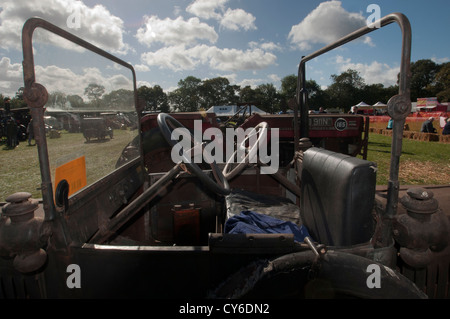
(420, 163)
(19, 167)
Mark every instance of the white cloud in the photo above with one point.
(235, 60)
(57, 79)
(372, 73)
(231, 77)
(268, 46)
(11, 77)
(177, 31)
(180, 58)
(97, 24)
(274, 77)
(144, 83)
(207, 9)
(174, 58)
(253, 83)
(440, 60)
(234, 19)
(176, 10)
(325, 24)
(141, 68)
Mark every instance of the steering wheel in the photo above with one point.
(220, 185)
(250, 151)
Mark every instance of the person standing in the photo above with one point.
(7, 103)
(30, 132)
(11, 133)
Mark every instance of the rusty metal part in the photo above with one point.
(304, 144)
(112, 225)
(22, 234)
(318, 250)
(36, 96)
(420, 201)
(399, 105)
(423, 233)
(404, 79)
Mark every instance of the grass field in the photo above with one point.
(421, 163)
(19, 167)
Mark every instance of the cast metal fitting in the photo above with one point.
(22, 234)
(423, 232)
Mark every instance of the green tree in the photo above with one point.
(345, 89)
(217, 91)
(289, 87)
(372, 93)
(269, 97)
(423, 73)
(248, 95)
(75, 101)
(57, 100)
(186, 97)
(94, 92)
(316, 96)
(441, 83)
(155, 98)
(17, 101)
(119, 100)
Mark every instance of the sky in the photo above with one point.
(250, 42)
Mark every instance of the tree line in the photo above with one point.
(428, 79)
(96, 99)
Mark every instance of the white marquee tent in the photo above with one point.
(380, 105)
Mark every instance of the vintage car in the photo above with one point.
(95, 127)
(129, 221)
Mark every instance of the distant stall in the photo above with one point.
(364, 108)
(430, 104)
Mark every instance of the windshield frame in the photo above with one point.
(36, 96)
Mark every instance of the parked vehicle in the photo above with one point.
(146, 226)
(95, 127)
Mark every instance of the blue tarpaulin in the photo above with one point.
(249, 222)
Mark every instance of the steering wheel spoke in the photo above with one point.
(219, 184)
(249, 146)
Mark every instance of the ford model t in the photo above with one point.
(165, 210)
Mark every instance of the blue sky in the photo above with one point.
(250, 42)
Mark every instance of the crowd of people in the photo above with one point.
(12, 129)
